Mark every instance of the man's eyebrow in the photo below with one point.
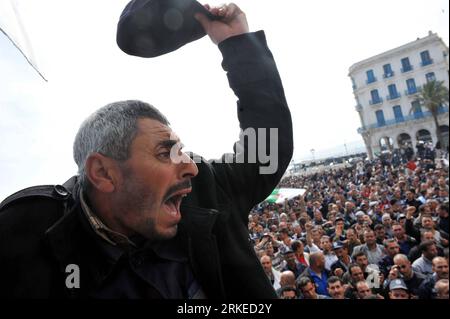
(167, 143)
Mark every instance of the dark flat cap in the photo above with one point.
(150, 28)
(287, 252)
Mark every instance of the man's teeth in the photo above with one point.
(173, 202)
(172, 207)
(173, 213)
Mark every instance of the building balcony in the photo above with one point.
(393, 96)
(413, 91)
(407, 69)
(427, 62)
(418, 115)
(361, 130)
(404, 119)
(358, 108)
(388, 75)
(372, 80)
(376, 101)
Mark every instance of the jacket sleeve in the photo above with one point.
(411, 230)
(265, 147)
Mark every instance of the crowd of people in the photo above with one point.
(376, 230)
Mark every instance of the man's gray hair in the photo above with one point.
(110, 132)
(303, 281)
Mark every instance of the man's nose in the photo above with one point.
(188, 168)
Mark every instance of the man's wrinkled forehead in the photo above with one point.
(157, 132)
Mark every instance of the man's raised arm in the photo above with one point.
(265, 147)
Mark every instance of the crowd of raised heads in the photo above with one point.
(375, 230)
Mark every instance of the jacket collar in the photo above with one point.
(72, 241)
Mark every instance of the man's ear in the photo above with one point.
(102, 172)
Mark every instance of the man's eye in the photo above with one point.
(164, 155)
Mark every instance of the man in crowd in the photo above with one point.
(308, 289)
(440, 271)
(387, 224)
(362, 261)
(372, 250)
(336, 288)
(288, 293)
(317, 272)
(318, 218)
(339, 267)
(285, 242)
(313, 236)
(443, 217)
(406, 242)
(391, 248)
(411, 199)
(363, 290)
(398, 290)
(371, 272)
(424, 264)
(339, 233)
(330, 257)
(415, 252)
(292, 264)
(354, 275)
(441, 288)
(426, 224)
(273, 274)
(352, 240)
(402, 269)
(287, 279)
(380, 234)
(276, 258)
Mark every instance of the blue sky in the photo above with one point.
(314, 44)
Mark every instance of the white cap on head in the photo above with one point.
(360, 214)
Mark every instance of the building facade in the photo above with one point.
(386, 88)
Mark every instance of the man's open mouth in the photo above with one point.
(173, 203)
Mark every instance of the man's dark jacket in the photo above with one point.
(41, 227)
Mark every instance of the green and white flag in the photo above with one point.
(279, 195)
